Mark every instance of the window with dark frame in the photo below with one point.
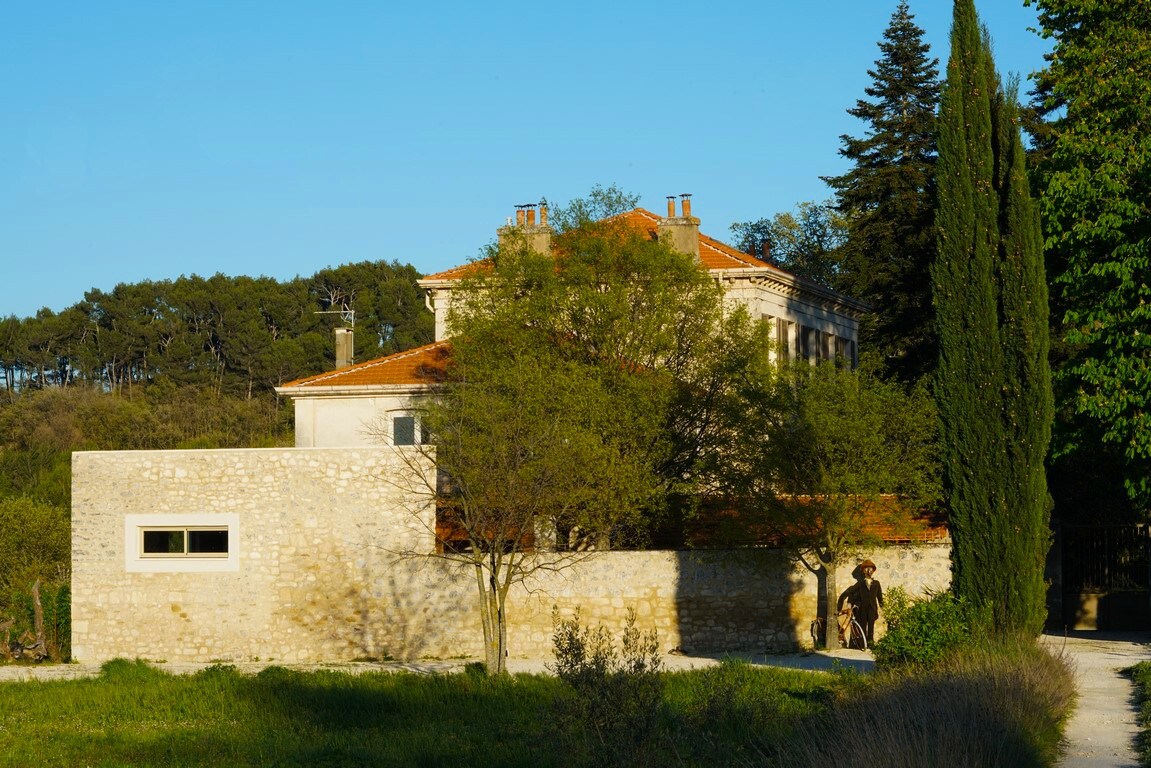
(187, 541)
(404, 430)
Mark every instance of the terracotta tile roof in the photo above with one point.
(422, 365)
(462, 271)
(713, 254)
(716, 523)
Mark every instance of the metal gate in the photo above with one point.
(1106, 570)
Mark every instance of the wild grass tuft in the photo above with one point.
(1141, 675)
(996, 703)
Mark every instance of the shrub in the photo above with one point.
(923, 632)
(616, 696)
(989, 704)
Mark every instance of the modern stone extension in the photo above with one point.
(312, 571)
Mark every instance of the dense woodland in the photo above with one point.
(231, 335)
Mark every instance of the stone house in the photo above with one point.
(292, 554)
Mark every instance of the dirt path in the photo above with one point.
(1102, 731)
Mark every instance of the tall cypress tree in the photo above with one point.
(993, 386)
(888, 198)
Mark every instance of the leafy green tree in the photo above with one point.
(822, 456)
(1095, 198)
(805, 241)
(600, 203)
(888, 201)
(993, 385)
(581, 397)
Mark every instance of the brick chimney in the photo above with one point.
(345, 354)
(538, 237)
(680, 233)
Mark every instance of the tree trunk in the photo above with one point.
(492, 601)
(830, 607)
(38, 616)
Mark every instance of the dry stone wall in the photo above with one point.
(323, 570)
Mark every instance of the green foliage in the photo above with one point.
(993, 387)
(617, 695)
(1094, 163)
(582, 395)
(805, 242)
(236, 335)
(888, 201)
(41, 428)
(824, 455)
(1141, 676)
(134, 714)
(925, 632)
(600, 203)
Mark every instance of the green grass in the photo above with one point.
(134, 715)
(996, 705)
(1141, 675)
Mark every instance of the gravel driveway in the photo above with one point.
(1102, 731)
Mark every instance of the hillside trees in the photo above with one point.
(993, 386)
(580, 402)
(237, 335)
(888, 203)
(1095, 196)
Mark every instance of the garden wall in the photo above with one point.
(314, 572)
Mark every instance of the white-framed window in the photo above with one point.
(189, 543)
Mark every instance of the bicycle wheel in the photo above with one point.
(858, 638)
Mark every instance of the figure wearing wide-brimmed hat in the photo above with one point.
(866, 597)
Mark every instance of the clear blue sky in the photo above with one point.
(145, 140)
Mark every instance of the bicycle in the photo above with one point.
(851, 633)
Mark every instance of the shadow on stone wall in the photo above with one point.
(382, 607)
(750, 600)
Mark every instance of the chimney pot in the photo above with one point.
(686, 205)
(531, 216)
(543, 213)
(671, 206)
(765, 247)
(519, 216)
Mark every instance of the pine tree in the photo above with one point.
(990, 295)
(888, 198)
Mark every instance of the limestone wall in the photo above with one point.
(321, 569)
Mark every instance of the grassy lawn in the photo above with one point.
(133, 715)
(997, 705)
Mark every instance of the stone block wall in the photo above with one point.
(323, 570)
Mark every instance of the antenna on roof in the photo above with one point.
(346, 314)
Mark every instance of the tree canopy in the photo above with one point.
(805, 241)
(239, 335)
(581, 398)
(887, 200)
(825, 457)
(1095, 197)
